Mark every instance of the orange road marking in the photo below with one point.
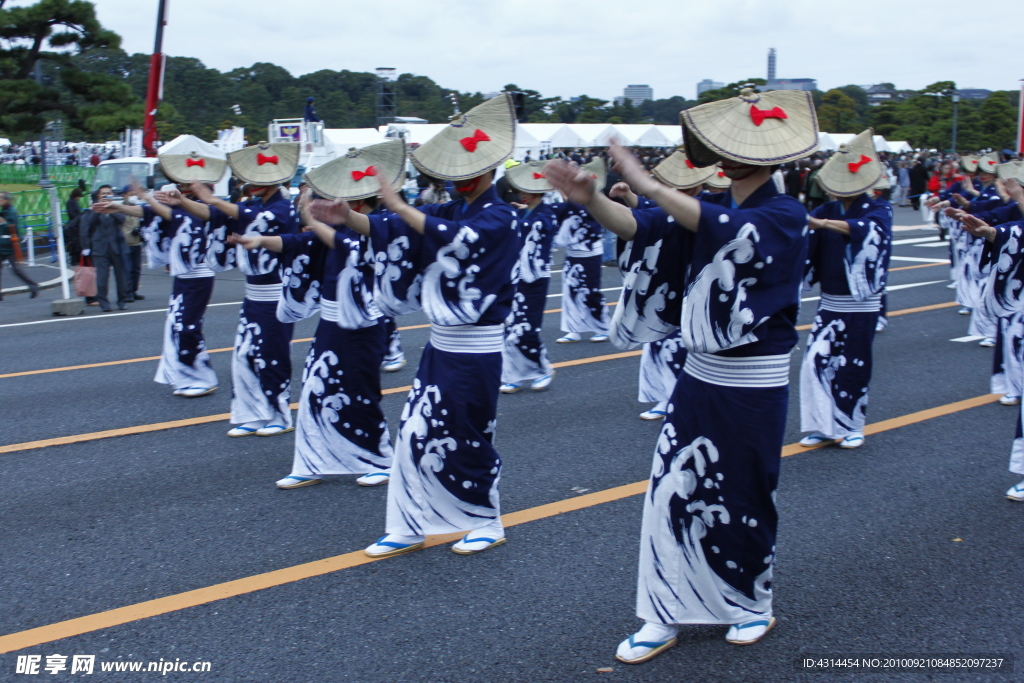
(250, 584)
(922, 265)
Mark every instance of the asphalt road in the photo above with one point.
(904, 547)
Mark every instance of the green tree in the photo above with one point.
(997, 127)
(838, 113)
(52, 33)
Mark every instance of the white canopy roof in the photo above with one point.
(674, 134)
(345, 138)
(558, 134)
(185, 144)
(899, 146)
(827, 143)
(643, 135)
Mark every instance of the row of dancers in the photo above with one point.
(711, 288)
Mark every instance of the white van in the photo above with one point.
(119, 172)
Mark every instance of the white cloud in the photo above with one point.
(593, 46)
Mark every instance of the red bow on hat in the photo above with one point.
(990, 162)
(261, 159)
(359, 175)
(759, 115)
(538, 176)
(471, 142)
(689, 164)
(854, 166)
(721, 174)
(189, 163)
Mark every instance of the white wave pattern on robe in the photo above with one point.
(701, 332)
(865, 269)
(1004, 290)
(158, 245)
(1010, 379)
(418, 504)
(676, 584)
(388, 269)
(577, 315)
(320, 448)
(630, 325)
(532, 265)
(356, 308)
(248, 404)
(659, 369)
(170, 369)
(290, 310)
(444, 272)
(515, 366)
(819, 411)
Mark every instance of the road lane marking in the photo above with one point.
(919, 260)
(968, 338)
(250, 584)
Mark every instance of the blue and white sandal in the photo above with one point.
(750, 632)
(509, 388)
(544, 382)
(386, 548)
(653, 414)
(243, 430)
(195, 392)
(1009, 400)
(374, 478)
(569, 338)
(1016, 492)
(468, 546)
(274, 430)
(646, 644)
(294, 482)
(987, 342)
(854, 440)
(599, 338)
(812, 440)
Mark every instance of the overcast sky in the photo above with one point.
(596, 47)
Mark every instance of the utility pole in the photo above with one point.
(956, 105)
(65, 305)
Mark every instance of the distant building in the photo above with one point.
(708, 84)
(791, 84)
(620, 100)
(771, 64)
(638, 93)
(884, 92)
(974, 93)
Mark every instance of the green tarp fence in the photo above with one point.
(14, 174)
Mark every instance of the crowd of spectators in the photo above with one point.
(83, 154)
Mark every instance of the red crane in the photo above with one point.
(155, 91)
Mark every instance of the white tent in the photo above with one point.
(527, 142)
(841, 138)
(4, 142)
(343, 139)
(633, 135)
(899, 147)
(674, 134)
(591, 132)
(555, 134)
(826, 143)
(880, 144)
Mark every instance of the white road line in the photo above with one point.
(919, 260)
(915, 240)
(890, 289)
(968, 338)
(609, 289)
(108, 316)
(935, 244)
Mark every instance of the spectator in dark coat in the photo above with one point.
(103, 241)
(918, 182)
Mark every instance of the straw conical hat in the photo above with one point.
(472, 143)
(187, 158)
(599, 170)
(1008, 170)
(529, 177)
(358, 174)
(679, 172)
(1020, 174)
(266, 164)
(853, 169)
(969, 163)
(988, 163)
(760, 129)
(718, 180)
